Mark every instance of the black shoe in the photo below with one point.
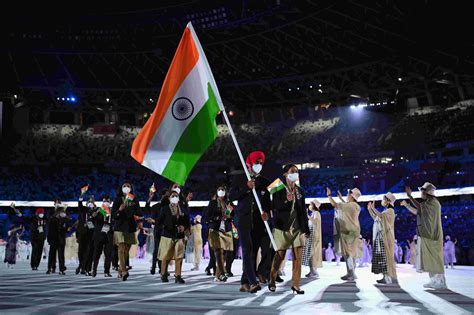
(53, 270)
(62, 273)
(94, 274)
(129, 267)
(271, 287)
(229, 274)
(221, 278)
(78, 269)
(153, 271)
(48, 272)
(83, 272)
(164, 278)
(88, 274)
(279, 279)
(296, 291)
(254, 288)
(107, 275)
(125, 276)
(178, 279)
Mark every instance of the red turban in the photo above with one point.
(39, 210)
(253, 157)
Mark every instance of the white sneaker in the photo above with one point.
(429, 285)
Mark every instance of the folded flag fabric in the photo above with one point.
(234, 232)
(104, 210)
(84, 189)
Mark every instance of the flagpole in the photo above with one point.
(237, 147)
(257, 199)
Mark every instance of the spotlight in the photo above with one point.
(15, 96)
(231, 113)
(151, 100)
(289, 89)
(73, 99)
(400, 79)
(67, 99)
(320, 91)
(62, 99)
(310, 86)
(107, 99)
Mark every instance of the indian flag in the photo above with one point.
(104, 210)
(277, 185)
(84, 189)
(183, 124)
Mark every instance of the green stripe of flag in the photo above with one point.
(195, 140)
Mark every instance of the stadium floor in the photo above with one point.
(23, 291)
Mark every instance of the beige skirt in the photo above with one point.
(122, 237)
(219, 240)
(170, 248)
(288, 239)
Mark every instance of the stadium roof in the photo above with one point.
(263, 54)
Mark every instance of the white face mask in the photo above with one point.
(174, 200)
(293, 177)
(41, 215)
(221, 193)
(126, 189)
(257, 168)
(62, 214)
(177, 190)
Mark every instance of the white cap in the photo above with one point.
(355, 192)
(429, 188)
(391, 198)
(197, 218)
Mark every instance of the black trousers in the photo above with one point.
(56, 248)
(36, 252)
(85, 252)
(212, 259)
(230, 256)
(103, 242)
(157, 239)
(251, 241)
(262, 240)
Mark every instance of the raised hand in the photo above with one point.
(408, 190)
(403, 203)
(328, 191)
